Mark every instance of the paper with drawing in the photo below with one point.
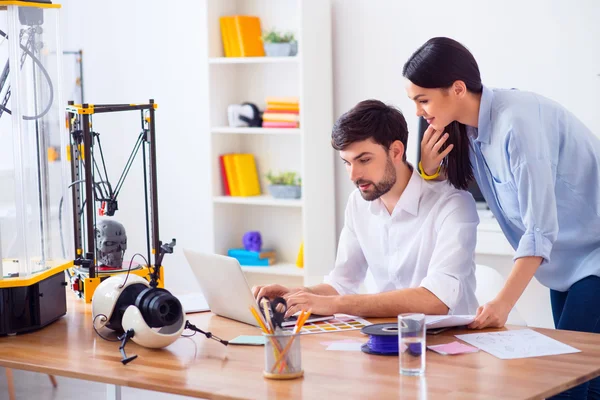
(520, 343)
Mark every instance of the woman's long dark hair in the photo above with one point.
(437, 65)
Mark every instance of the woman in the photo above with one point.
(538, 168)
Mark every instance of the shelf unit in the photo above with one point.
(253, 60)
(224, 130)
(283, 224)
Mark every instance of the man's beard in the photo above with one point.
(383, 186)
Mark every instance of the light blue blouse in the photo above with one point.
(538, 168)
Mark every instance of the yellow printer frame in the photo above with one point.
(84, 275)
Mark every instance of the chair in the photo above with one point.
(489, 284)
(11, 383)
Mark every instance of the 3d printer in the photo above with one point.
(32, 281)
(97, 244)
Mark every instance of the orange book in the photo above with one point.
(223, 21)
(283, 107)
(249, 36)
(283, 99)
(231, 173)
(231, 43)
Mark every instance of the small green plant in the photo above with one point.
(273, 36)
(285, 178)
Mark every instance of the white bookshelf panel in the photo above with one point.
(262, 200)
(280, 228)
(285, 269)
(225, 130)
(253, 60)
(306, 150)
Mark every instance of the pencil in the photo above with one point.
(259, 320)
(274, 342)
(299, 324)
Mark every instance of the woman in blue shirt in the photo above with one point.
(538, 168)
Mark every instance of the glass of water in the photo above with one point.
(411, 344)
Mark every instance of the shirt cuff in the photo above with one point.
(342, 290)
(444, 287)
(534, 244)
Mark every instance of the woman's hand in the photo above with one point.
(432, 142)
(491, 315)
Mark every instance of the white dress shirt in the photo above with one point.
(428, 241)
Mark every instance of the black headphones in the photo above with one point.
(256, 120)
(158, 306)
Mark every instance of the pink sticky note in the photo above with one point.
(453, 348)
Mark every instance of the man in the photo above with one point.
(415, 237)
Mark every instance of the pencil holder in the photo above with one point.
(283, 356)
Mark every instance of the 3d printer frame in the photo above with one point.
(85, 276)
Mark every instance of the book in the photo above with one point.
(232, 177)
(283, 107)
(248, 262)
(249, 36)
(285, 117)
(272, 111)
(231, 44)
(284, 100)
(279, 124)
(224, 180)
(249, 254)
(225, 36)
(247, 176)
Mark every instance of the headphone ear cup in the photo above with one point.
(256, 120)
(139, 300)
(158, 307)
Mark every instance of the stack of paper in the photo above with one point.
(446, 321)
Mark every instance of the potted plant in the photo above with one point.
(279, 45)
(286, 185)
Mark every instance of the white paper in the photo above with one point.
(193, 302)
(345, 346)
(520, 343)
(444, 321)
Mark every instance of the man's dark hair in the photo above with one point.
(370, 119)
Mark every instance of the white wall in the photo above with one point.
(547, 46)
(134, 51)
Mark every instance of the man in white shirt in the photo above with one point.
(415, 237)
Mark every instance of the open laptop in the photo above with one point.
(226, 290)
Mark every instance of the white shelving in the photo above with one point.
(256, 131)
(283, 224)
(253, 60)
(277, 269)
(263, 200)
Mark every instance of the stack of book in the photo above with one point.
(253, 258)
(241, 35)
(239, 175)
(282, 112)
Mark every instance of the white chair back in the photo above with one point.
(489, 284)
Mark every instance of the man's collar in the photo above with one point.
(411, 197)
(409, 200)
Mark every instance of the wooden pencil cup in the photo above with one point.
(283, 356)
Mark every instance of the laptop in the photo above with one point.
(226, 290)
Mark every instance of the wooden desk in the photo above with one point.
(204, 368)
